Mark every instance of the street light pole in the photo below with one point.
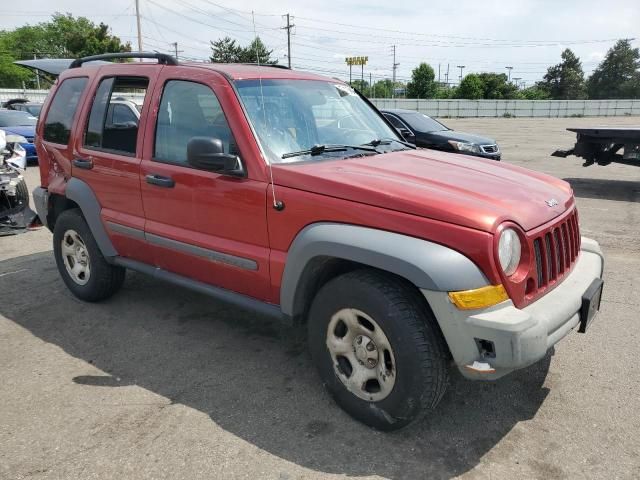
(509, 68)
(461, 67)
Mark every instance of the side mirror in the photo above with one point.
(206, 153)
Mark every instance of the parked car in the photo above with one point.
(23, 124)
(426, 132)
(287, 193)
(23, 105)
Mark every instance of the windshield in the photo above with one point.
(16, 119)
(421, 123)
(33, 109)
(295, 115)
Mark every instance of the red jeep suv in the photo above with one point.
(288, 193)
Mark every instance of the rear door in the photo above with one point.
(200, 224)
(108, 155)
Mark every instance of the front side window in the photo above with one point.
(188, 110)
(295, 115)
(57, 125)
(113, 121)
(394, 121)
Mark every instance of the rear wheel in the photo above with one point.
(377, 348)
(80, 263)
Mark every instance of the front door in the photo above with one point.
(200, 224)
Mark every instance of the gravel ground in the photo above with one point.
(160, 382)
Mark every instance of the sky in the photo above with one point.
(481, 35)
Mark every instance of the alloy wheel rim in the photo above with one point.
(76, 257)
(362, 356)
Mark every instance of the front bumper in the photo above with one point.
(520, 336)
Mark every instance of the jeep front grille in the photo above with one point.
(556, 250)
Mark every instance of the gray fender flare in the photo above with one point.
(426, 264)
(81, 193)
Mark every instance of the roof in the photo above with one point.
(240, 71)
(233, 71)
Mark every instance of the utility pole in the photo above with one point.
(138, 23)
(509, 68)
(447, 76)
(395, 67)
(461, 67)
(175, 47)
(370, 86)
(288, 29)
(438, 73)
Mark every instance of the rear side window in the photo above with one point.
(113, 121)
(57, 125)
(188, 110)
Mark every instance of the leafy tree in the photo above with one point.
(565, 81)
(361, 85)
(63, 36)
(225, 50)
(535, 92)
(618, 75)
(422, 84)
(382, 88)
(496, 86)
(471, 87)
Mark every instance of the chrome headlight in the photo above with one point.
(509, 251)
(464, 146)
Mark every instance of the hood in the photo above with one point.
(453, 188)
(24, 130)
(461, 137)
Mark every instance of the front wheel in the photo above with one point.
(377, 348)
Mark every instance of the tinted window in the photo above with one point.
(112, 124)
(9, 118)
(123, 114)
(188, 110)
(422, 123)
(394, 121)
(57, 126)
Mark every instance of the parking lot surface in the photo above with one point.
(160, 382)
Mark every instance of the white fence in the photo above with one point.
(515, 108)
(462, 108)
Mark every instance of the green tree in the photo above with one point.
(225, 50)
(471, 87)
(565, 81)
(496, 86)
(382, 88)
(361, 85)
(63, 36)
(422, 84)
(618, 75)
(535, 92)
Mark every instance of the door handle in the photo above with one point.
(160, 181)
(84, 163)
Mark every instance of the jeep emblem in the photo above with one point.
(552, 202)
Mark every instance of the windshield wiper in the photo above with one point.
(387, 141)
(320, 149)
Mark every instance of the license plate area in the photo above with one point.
(590, 304)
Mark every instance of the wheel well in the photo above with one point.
(321, 270)
(57, 205)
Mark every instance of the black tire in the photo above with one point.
(22, 193)
(421, 355)
(104, 279)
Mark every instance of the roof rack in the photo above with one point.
(273, 65)
(161, 57)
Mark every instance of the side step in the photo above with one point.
(233, 298)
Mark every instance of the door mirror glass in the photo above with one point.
(206, 153)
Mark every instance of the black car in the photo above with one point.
(426, 132)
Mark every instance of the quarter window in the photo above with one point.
(113, 121)
(57, 125)
(188, 110)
